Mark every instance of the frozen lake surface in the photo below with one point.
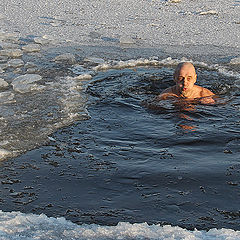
(79, 143)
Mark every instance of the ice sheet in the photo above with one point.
(19, 226)
(144, 23)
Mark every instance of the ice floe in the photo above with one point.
(65, 58)
(26, 83)
(235, 61)
(174, 1)
(209, 12)
(15, 63)
(20, 226)
(3, 154)
(94, 60)
(6, 97)
(126, 40)
(15, 53)
(31, 48)
(42, 40)
(3, 83)
(6, 45)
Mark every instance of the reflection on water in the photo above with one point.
(183, 108)
(188, 123)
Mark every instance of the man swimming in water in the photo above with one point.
(185, 77)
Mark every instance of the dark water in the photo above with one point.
(171, 162)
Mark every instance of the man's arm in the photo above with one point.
(206, 93)
(166, 94)
(206, 96)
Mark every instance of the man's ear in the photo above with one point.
(195, 78)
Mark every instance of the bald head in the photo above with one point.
(184, 65)
(185, 77)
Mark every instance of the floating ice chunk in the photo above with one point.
(9, 36)
(32, 70)
(6, 97)
(237, 84)
(138, 62)
(1, 70)
(3, 59)
(4, 153)
(174, 1)
(52, 139)
(17, 71)
(3, 83)
(4, 142)
(6, 45)
(27, 79)
(48, 37)
(235, 61)
(15, 63)
(210, 12)
(4, 66)
(24, 88)
(126, 64)
(66, 58)
(94, 60)
(80, 70)
(56, 23)
(84, 77)
(126, 40)
(11, 53)
(30, 65)
(170, 61)
(27, 83)
(31, 48)
(41, 40)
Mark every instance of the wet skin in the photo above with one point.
(185, 78)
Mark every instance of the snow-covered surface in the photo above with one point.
(137, 23)
(145, 22)
(20, 226)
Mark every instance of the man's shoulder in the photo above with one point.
(204, 92)
(169, 90)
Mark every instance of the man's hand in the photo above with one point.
(165, 96)
(207, 100)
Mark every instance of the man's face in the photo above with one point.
(185, 79)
